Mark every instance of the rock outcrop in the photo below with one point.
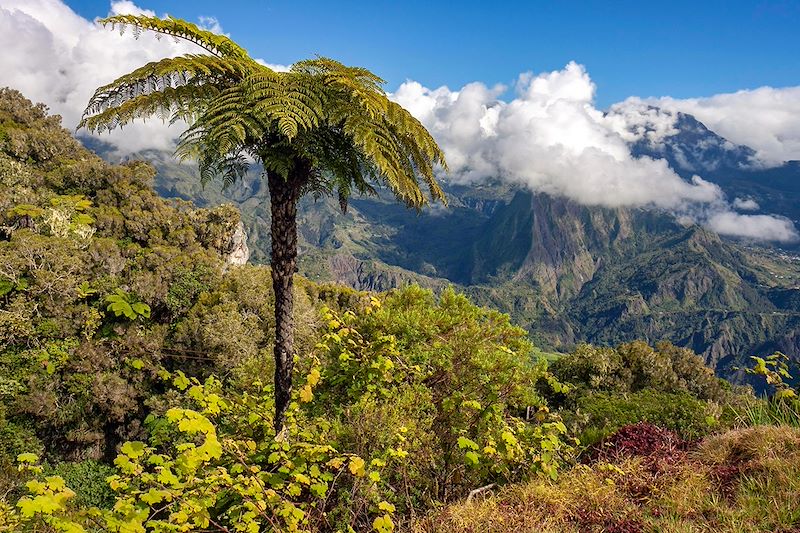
(238, 252)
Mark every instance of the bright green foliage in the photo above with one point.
(47, 503)
(338, 118)
(88, 480)
(221, 473)
(636, 366)
(601, 414)
(436, 389)
(123, 304)
(26, 210)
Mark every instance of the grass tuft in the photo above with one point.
(745, 480)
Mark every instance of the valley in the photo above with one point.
(567, 273)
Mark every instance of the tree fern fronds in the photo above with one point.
(218, 45)
(158, 77)
(323, 127)
(170, 104)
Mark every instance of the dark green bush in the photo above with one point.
(88, 480)
(600, 414)
(636, 366)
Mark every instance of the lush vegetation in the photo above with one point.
(321, 128)
(131, 346)
(132, 363)
(747, 480)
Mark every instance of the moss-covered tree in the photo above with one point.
(322, 127)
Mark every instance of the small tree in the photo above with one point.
(322, 127)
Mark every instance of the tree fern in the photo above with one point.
(322, 128)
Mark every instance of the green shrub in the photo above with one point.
(636, 366)
(599, 415)
(457, 378)
(88, 480)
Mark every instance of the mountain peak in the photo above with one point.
(688, 145)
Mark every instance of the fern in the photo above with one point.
(335, 116)
(322, 128)
(218, 45)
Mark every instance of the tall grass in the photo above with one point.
(770, 412)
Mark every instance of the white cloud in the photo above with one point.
(126, 7)
(273, 66)
(745, 204)
(766, 119)
(60, 58)
(55, 56)
(758, 227)
(551, 138)
(636, 120)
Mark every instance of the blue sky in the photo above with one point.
(677, 48)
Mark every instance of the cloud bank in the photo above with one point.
(765, 119)
(549, 137)
(57, 57)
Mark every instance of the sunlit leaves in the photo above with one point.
(335, 117)
(356, 466)
(125, 304)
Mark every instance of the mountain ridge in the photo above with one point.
(567, 273)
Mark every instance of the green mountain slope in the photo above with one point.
(568, 273)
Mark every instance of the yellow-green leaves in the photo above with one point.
(356, 466)
(383, 524)
(122, 303)
(180, 381)
(47, 502)
(27, 458)
(471, 457)
(464, 442)
(306, 394)
(133, 450)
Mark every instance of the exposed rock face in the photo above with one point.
(557, 244)
(238, 252)
(373, 275)
(222, 229)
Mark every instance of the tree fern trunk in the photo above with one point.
(284, 195)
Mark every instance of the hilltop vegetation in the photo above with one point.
(136, 371)
(564, 272)
(123, 327)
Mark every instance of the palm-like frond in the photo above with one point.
(293, 100)
(154, 87)
(215, 44)
(395, 143)
(336, 117)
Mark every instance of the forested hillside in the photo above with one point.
(566, 273)
(136, 366)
